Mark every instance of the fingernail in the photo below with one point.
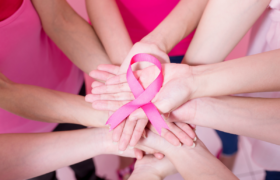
(114, 142)
(109, 126)
(121, 152)
(130, 147)
(193, 146)
(194, 139)
(180, 145)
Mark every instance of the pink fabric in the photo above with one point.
(28, 56)
(7, 8)
(143, 97)
(265, 36)
(142, 16)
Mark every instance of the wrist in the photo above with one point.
(157, 40)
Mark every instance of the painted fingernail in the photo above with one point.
(180, 145)
(193, 146)
(130, 147)
(120, 152)
(194, 139)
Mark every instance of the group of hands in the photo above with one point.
(112, 91)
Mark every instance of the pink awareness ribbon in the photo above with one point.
(143, 97)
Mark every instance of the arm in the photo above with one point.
(222, 26)
(243, 116)
(182, 20)
(234, 115)
(73, 35)
(113, 34)
(256, 73)
(192, 163)
(33, 102)
(24, 156)
(108, 23)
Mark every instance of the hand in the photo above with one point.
(151, 168)
(191, 163)
(178, 87)
(100, 101)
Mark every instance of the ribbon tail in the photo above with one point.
(155, 117)
(120, 115)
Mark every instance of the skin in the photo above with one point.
(231, 77)
(77, 39)
(113, 34)
(197, 163)
(30, 155)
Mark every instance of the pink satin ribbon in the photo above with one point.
(142, 96)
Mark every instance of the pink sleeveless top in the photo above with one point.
(142, 16)
(28, 56)
(265, 36)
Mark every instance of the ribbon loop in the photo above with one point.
(143, 97)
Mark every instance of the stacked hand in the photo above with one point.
(116, 92)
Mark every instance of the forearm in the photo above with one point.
(41, 104)
(198, 163)
(24, 156)
(108, 23)
(252, 117)
(254, 73)
(222, 26)
(177, 25)
(72, 34)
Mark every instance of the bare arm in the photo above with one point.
(36, 103)
(252, 117)
(24, 156)
(222, 26)
(72, 34)
(108, 23)
(182, 20)
(256, 73)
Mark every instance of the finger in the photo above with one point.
(100, 75)
(187, 129)
(180, 134)
(96, 84)
(137, 114)
(138, 131)
(168, 135)
(145, 149)
(124, 87)
(122, 96)
(138, 153)
(159, 155)
(89, 98)
(113, 69)
(117, 132)
(108, 105)
(117, 79)
(126, 134)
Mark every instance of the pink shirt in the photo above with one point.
(142, 16)
(28, 56)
